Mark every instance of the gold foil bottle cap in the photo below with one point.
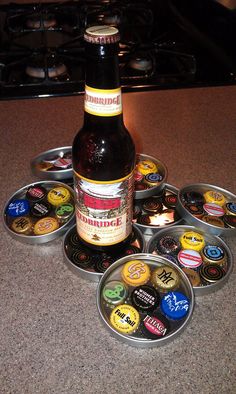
(165, 278)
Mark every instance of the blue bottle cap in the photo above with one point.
(18, 208)
(175, 305)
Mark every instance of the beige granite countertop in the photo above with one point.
(51, 338)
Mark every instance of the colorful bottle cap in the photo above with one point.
(146, 167)
(36, 193)
(175, 305)
(40, 209)
(193, 276)
(189, 258)
(155, 326)
(230, 208)
(135, 273)
(145, 298)
(213, 220)
(165, 278)
(45, 225)
(153, 179)
(193, 197)
(138, 177)
(215, 197)
(230, 221)
(170, 200)
(62, 163)
(195, 209)
(18, 208)
(125, 319)
(64, 211)
(58, 195)
(192, 240)
(213, 209)
(213, 254)
(168, 244)
(152, 204)
(22, 225)
(211, 273)
(114, 293)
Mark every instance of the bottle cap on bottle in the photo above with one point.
(101, 34)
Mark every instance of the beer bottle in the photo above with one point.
(103, 151)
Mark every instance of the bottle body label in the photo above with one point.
(104, 210)
(102, 102)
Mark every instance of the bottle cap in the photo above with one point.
(193, 197)
(231, 208)
(165, 278)
(101, 263)
(22, 225)
(175, 305)
(211, 273)
(135, 273)
(213, 220)
(213, 209)
(230, 221)
(168, 244)
(125, 319)
(145, 298)
(170, 200)
(36, 193)
(190, 259)
(114, 293)
(193, 276)
(58, 195)
(64, 211)
(155, 326)
(40, 209)
(213, 254)
(45, 225)
(146, 167)
(195, 209)
(192, 240)
(18, 208)
(152, 204)
(102, 34)
(215, 197)
(82, 258)
(152, 179)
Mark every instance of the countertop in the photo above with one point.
(51, 337)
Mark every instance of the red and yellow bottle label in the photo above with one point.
(101, 102)
(104, 210)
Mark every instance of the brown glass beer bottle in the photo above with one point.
(103, 151)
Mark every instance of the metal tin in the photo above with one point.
(215, 228)
(139, 337)
(177, 232)
(149, 230)
(137, 245)
(43, 166)
(150, 190)
(30, 237)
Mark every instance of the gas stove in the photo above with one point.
(42, 48)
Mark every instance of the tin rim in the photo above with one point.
(52, 175)
(38, 239)
(150, 230)
(91, 275)
(138, 194)
(192, 220)
(138, 342)
(207, 289)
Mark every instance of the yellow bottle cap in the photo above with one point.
(22, 225)
(192, 240)
(165, 278)
(58, 195)
(45, 225)
(125, 319)
(215, 197)
(135, 273)
(146, 167)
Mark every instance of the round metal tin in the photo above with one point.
(198, 222)
(138, 338)
(139, 182)
(177, 232)
(31, 237)
(53, 164)
(94, 262)
(150, 230)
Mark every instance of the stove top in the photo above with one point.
(162, 46)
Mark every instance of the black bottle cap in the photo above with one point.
(155, 326)
(145, 298)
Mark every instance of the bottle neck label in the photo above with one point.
(103, 102)
(104, 210)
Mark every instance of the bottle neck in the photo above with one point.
(102, 91)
